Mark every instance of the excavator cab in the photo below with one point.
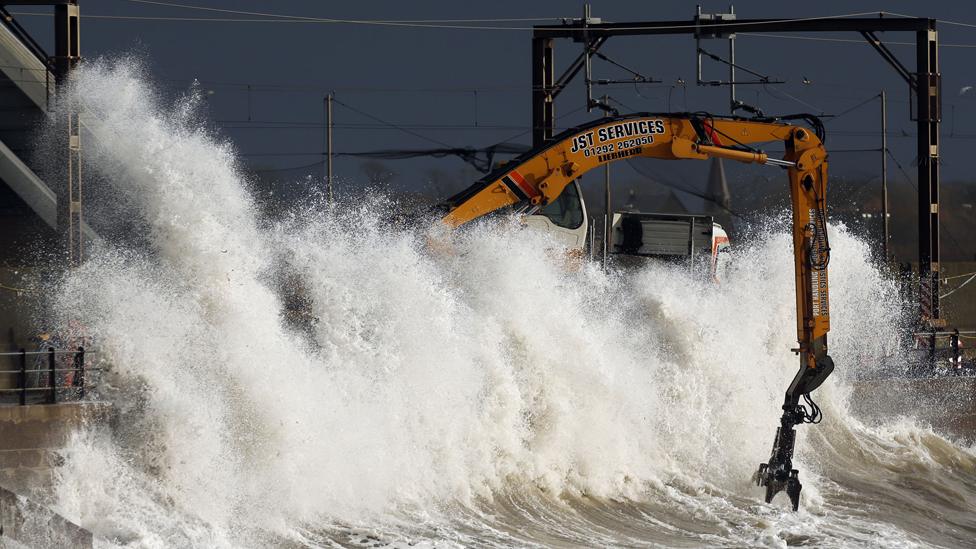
(564, 219)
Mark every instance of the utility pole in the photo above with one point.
(592, 234)
(328, 146)
(608, 218)
(733, 102)
(608, 230)
(587, 64)
(66, 56)
(884, 177)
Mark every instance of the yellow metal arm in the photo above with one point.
(539, 176)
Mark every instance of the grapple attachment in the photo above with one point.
(778, 474)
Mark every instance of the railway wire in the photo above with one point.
(265, 17)
(453, 24)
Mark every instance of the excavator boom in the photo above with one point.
(539, 176)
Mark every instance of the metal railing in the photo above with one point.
(72, 385)
(928, 343)
(19, 32)
(25, 38)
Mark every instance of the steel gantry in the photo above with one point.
(924, 84)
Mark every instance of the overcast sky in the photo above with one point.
(471, 87)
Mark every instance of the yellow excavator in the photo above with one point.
(538, 177)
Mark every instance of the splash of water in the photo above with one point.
(489, 396)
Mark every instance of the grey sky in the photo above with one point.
(453, 77)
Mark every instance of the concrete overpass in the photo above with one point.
(33, 219)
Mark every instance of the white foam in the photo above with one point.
(427, 380)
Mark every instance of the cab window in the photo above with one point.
(566, 211)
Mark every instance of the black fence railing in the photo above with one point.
(55, 376)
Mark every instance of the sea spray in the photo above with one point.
(332, 378)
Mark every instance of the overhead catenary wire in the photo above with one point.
(904, 173)
(841, 40)
(392, 125)
(271, 20)
(443, 22)
(482, 159)
(320, 89)
(367, 153)
(290, 168)
(479, 88)
(959, 287)
(376, 127)
(765, 88)
(945, 21)
(948, 278)
(258, 124)
(276, 16)
(468, 154)
(452, 23)
(363, 153)
(264, 17)
(851, 109)
(299, 18)
(908, 178)
(475, 88)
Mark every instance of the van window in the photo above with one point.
(567, 210)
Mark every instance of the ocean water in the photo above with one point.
(331, 379)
